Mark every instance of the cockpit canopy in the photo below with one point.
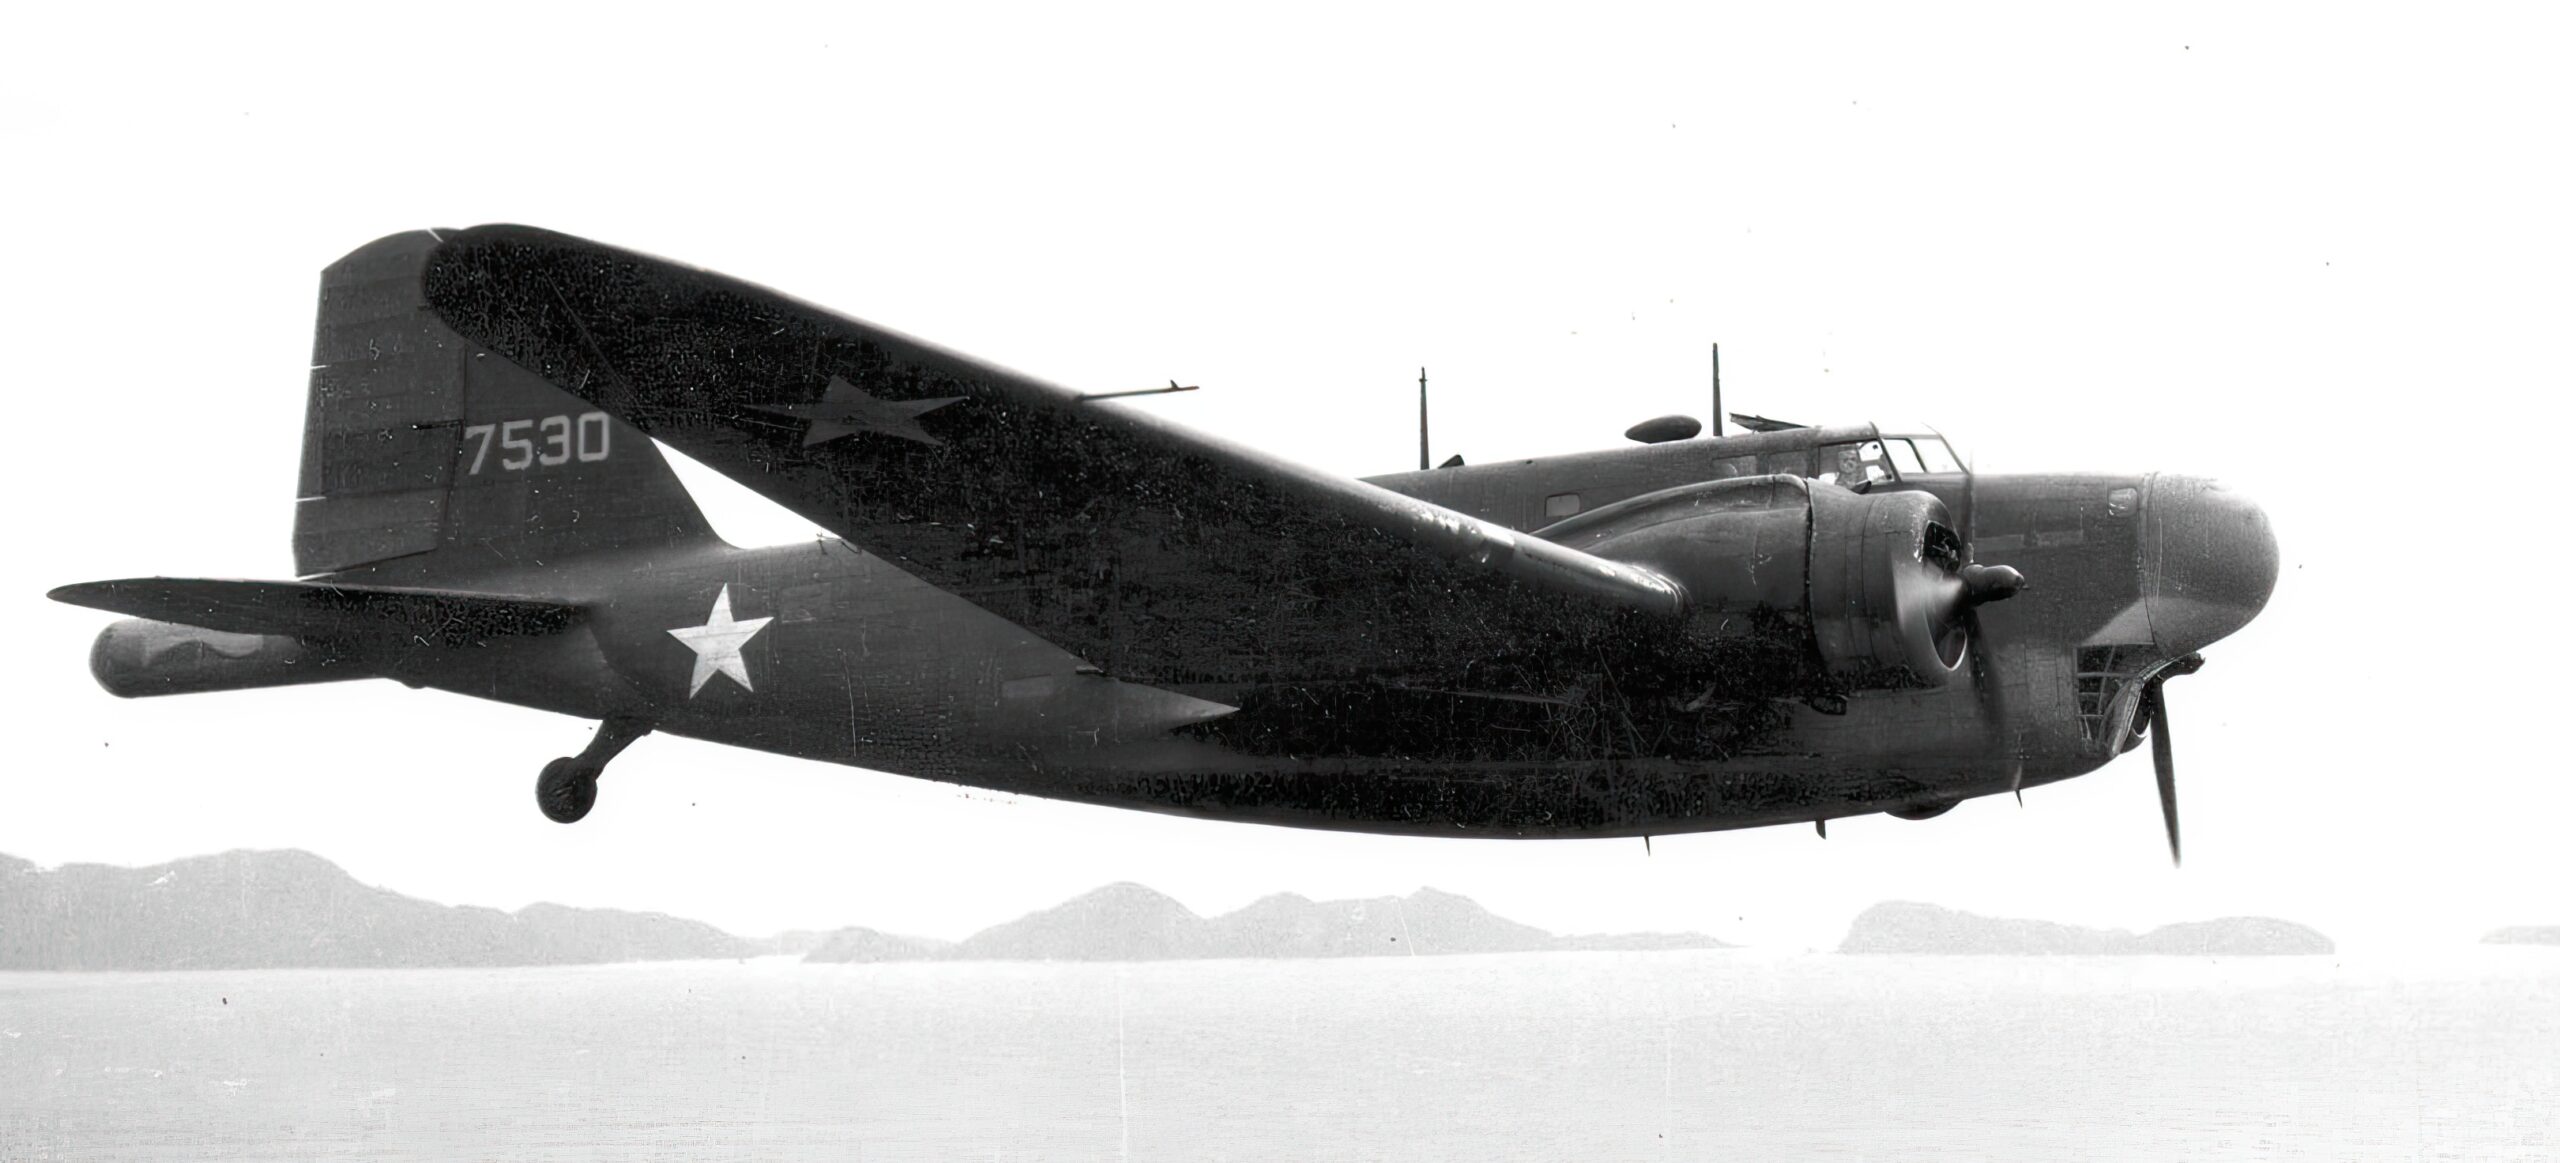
(1846, 459)
(1885, 458)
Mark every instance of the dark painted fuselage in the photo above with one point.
(864, 664)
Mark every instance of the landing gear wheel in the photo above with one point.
(567, 790)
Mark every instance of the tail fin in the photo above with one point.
(421, 445)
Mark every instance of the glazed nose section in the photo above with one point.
(2209, 562)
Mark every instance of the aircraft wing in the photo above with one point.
(323, 610)
(1157, 553)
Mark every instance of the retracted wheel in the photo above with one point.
(567, 789)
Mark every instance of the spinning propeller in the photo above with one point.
(1979, 584)
(1982, 584)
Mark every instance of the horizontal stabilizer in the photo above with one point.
(321, 610)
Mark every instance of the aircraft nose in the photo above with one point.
(2209, 562)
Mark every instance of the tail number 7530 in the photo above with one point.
(550, 440)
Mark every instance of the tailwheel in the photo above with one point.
(567, 790)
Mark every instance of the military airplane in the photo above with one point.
(1053, 592)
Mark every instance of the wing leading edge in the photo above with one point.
(1158, 553)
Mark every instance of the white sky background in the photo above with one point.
(2309, 252)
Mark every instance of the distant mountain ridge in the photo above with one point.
(1131, 922)
(1910, 927)
(291, 909)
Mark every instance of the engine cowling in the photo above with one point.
(1877, 577)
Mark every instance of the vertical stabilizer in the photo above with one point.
(418, 441)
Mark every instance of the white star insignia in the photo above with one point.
(716, 643)
(847, 409)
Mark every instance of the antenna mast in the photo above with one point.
(1715, 362)
(1426, 418)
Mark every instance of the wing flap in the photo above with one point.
(321, 610)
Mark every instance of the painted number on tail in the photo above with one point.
(548, 441)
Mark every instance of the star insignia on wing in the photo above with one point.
(716, 643)
(846, 409)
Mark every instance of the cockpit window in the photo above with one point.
(1921, 454)
(1849, 464)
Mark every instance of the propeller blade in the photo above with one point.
(1983, 584)
(1986, 691)
(2164, 766)
(1967, 532)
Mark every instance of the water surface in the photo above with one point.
(1680, 1055)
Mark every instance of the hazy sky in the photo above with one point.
(2307, 251)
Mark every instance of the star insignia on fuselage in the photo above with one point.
(716, 643)
(846, 409)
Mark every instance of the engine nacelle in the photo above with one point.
(138, 657)
(1877, 576)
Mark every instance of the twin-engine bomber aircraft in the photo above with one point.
(1054, 593)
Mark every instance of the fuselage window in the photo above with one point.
(1563, 505)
